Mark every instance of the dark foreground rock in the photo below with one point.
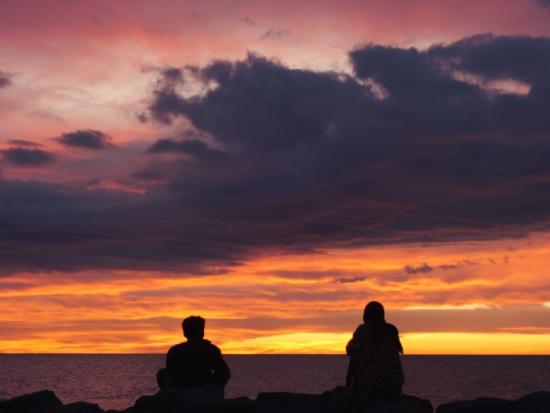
(339, 400)
(538, 402)
(335, 401)
(45, 402)
(34, 402)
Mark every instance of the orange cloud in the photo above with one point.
(488, 297)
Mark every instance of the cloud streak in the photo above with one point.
(25, 157)
(4, 80)
(86, 139)
(275, 34)
(22, 142)
(421, 269)
(193, 147)
(353, 279)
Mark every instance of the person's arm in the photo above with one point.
(220, 370)
(169, 359)
(397, 340)
(353, 345)
(359, 343)
(169, 370)
(392, 335)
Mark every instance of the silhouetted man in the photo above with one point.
(196, 364)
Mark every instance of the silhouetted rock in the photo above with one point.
(162, 401)
(534, 402)
(538, 402)
(39, 402)
(482, 404)
(339, 400)
(78, 407)
(166, 401)
(404, 404)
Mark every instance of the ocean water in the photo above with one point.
(115, 381)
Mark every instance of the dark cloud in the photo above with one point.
(75, 228)
(307, 160)
(172, 76)
(86, 139)
(194, 147)
(347, 280)
(447, 267)
(4, 79)
(544, 3)
(421, 269)
(148, 174)
(381, 163)
(142, 117)
(27, 157)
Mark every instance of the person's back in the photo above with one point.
(375, 366)
(196, 365)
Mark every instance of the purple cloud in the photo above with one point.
(4, 80)
(192, 147)
(27, 157)
(306, 160)
(86, 139)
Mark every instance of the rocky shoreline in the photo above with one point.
(338, 400)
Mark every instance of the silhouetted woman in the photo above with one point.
(375, 367)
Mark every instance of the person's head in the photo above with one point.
(193, 327)
(374, 312)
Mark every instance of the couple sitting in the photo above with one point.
(197, 369)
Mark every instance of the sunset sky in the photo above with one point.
(273, 166)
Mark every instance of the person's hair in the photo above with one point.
(374, 313)
(193, 327)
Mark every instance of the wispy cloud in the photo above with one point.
(248, 21)
(275, 34)
(348, 280)
(423, 268)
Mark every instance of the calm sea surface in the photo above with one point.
(115, 381)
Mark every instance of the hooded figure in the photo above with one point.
(375, 367)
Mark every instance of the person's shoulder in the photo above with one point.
(177, 348)
(392, 328)
(362, 331)
(212, 347)
(361, 328)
